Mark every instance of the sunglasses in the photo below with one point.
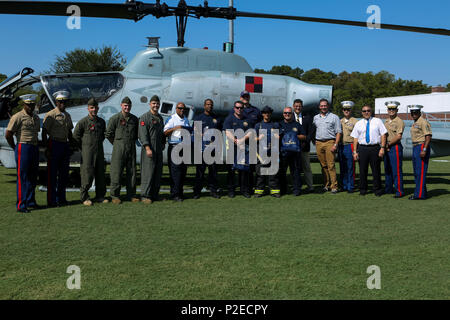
(180, 108)
(346, 110)
(239, 108)
(415, 111)
(287, 112)
(367, 111)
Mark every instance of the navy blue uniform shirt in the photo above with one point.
(252, 114)
(208, 122)
(289, 126)
(268, 126)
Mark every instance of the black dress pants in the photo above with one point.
(368, 155)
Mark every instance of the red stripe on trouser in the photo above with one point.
(421, 172)
(398, 170)
(354, 169)
(19, 180)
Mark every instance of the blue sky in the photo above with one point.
(34, 41)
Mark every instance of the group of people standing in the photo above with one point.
(367, 141)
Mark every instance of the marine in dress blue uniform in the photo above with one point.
(25, 125)
(58, 126)
(265, 128)
(236, 121)
(393, 157)
(345, 150)
(291, 132)
(421, 139)
(209, 120)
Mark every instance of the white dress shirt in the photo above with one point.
(377, 129)
(172, 122)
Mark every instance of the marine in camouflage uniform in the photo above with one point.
(152, 139)
(122, 132)
(89, 134)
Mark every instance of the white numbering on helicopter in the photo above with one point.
(74, 21)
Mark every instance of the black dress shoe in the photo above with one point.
(231, 194)
(257, 195)
(35, 207)
(177, 199)
(246, 195)
(215, 195)
(196, 196)
(276, 195)
(396, 196)
(297, 194)
(362, 193)
(25, 210)
(350, 191)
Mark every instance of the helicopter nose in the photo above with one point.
(310, 94)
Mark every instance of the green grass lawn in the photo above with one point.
(316, 246)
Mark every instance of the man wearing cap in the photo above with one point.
(58, 126)
(122, 132)
(172, 130)
(421, 139)
(153, 141)
(291, 134)
(232, 123)
(25, 126)
(393, 157)
(89, 134)
(252, 115)
(209, 120)
(265, 129)
(346, 148)
(306, 122)
(369, 140)
(327, 138)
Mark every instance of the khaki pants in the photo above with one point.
(326, 158)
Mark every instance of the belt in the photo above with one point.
(368, 145)
(26, 142)
(347, 143)
(325, 140)
(418, 144)
(59, 140)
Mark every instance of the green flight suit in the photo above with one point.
(89, 135)
(151, 133)
(123, 132)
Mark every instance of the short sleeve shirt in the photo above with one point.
(394, 127)
(347, 128)
(419, 130)
(327, 127)
(376, 130)
(291, 126)
(58, 124)
(25, 127)
(172, 122)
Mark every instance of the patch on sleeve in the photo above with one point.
(142, 123)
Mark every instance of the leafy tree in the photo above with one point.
(448, 87)
(2, 77)
(94, 60)
(362, 88)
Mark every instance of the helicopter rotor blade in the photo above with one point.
(437, 31)
(59, 8)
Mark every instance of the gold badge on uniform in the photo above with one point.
(215, 120)
(245, 123)
(294, 129)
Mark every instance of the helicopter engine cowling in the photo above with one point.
(224, 89)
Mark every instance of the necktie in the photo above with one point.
(368, 132)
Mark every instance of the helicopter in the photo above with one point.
(174, 73)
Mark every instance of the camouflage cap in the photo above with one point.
(92, 102)
(126, 100)
(154, 98)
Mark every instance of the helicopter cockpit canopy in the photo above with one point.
(82, 87)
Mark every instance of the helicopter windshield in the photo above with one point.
(82, 87)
